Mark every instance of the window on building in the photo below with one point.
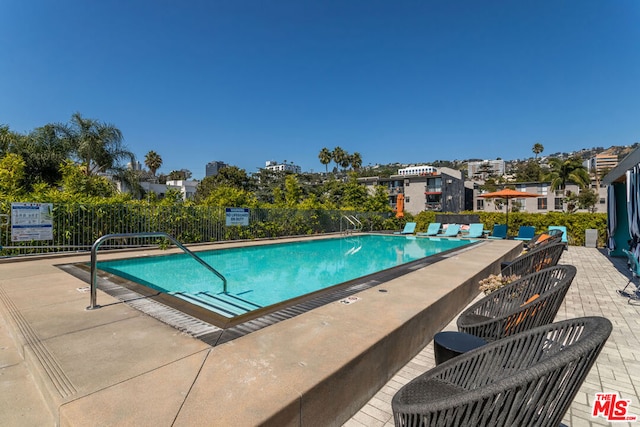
(542, 189)
(407, 199)
(558, 203)
(480, 204)
(542, 203)
(602, 201)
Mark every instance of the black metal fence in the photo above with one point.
(77, 226)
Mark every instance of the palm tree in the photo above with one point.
(325, 158)
(356, 161)
(98, 146)
(537, 149)
(570, 170)
(340, 156)
(153, 161)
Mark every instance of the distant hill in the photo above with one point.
(585, 153)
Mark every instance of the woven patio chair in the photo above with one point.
(528, 379)
(536, 259)
(530, 301)
(551, 236)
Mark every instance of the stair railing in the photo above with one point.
(101, 240)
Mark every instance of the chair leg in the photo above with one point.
(623, 291)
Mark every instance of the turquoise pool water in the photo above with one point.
(263, 275)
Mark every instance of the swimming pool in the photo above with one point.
(263, 276)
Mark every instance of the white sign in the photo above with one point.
(31, 221)
(237, 216)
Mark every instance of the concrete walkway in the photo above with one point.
(593, 293)
(116, 366)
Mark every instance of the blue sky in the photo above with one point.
(246, 81)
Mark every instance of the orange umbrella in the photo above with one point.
(508, 194)
(400, 206)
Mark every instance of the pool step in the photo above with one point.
(228, 305)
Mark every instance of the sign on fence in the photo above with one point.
(237, 216)
(31, 221)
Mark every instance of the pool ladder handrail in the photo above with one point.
(101, 240)
(357, 224)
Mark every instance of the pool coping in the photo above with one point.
(215, 330)
(119, 366)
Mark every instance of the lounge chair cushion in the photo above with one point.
(532, 298)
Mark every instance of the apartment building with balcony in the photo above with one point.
(484, 168)
(274, 166)
(548, 200)
(601, 163)
(440, 190)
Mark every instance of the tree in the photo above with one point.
(529, 172)
(356, 161)
(75, 181)
(587, 199)
(339, 156)
(8, 139)
(325, 158)
(379, 201)
(537, 149)
(355, 195)
(12, 173)
(181, 175)
(97, 146)
(563, 171)
(231, 176)
(293, 191)
(43, 152)
(225, 196)
(153, 161)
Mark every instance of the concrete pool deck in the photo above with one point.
(61, 364)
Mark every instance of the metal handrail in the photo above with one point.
(357, 224)
(94, 259)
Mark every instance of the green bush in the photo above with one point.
(576, 223)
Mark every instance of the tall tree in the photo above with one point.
(98, 146)
(11, 175)
(339, 156)
(8, 139)
(356, 161)
(153, 161)
(537, 149)
(325, 158)
(528, 172)
(43, 152)
(231, 176)
(570, 170)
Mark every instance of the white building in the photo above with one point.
(186, 188)
(272, 165)
(417, 170)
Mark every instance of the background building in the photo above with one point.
(601, 163)
(214, 167)
(484, 168)
(441, 190)
(547, 200)
(272, 165)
